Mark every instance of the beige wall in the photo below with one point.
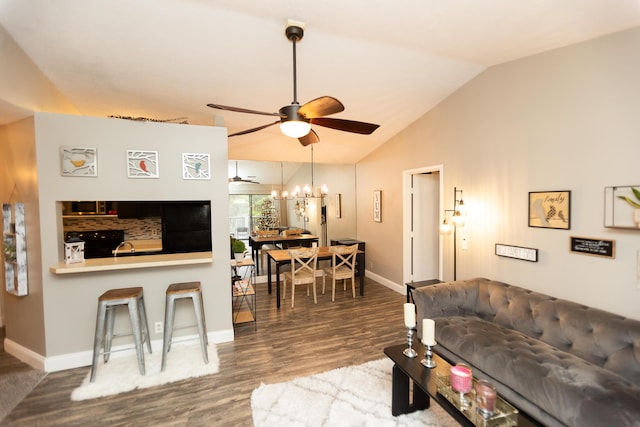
(562, 120)
(24, 316)
(61, 328)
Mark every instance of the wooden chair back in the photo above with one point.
(343, 260)
(267, 233)
(304, 262)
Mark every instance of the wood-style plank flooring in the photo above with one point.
(288, 343)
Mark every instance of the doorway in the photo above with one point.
(422, 246)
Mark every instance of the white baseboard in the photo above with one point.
(84, 358)
(386, 282)
(23, 354)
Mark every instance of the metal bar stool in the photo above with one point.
(108, 302)
(175, 292)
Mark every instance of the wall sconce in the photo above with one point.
(458, 214)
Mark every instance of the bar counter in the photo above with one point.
(132, 262)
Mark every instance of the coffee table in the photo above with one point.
(407, 370)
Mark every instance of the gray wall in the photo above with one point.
(69, 301)
(562, 120)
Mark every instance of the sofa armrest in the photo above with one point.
(446, 299)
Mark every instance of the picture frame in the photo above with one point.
(550, 209)
(78, 161)
(517, 252)
(620, 210)
(196, 166)
(142, 164)
(592, 246)
(377, 205)
(338, 205)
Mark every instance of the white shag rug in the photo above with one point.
(352, 396)
(121, 373)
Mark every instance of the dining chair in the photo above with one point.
(264, 249)
(343, 267)
(304, 263)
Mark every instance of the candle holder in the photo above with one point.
(410, 351)
(428, 361)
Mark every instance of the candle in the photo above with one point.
(486, 398)
(410, 315)
(461, 378)
(428, 332)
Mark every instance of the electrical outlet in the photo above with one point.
(465, 243)
(158, 327)
(154, 232)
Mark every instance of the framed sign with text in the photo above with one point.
(517, 252)
(550, 209)
(598, 247)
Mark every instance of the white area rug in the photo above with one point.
(121, 373)
(352, 396)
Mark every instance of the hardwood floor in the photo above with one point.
(288, 343)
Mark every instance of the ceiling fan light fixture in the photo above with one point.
(295, 128)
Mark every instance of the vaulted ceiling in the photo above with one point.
(388, 62)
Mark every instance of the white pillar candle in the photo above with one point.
(410, 315)
(428, 332)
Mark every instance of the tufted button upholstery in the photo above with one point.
(561, 362)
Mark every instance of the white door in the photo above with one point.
(422, 201)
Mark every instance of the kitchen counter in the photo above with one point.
(132, 262)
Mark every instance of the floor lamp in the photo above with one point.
(458, 214)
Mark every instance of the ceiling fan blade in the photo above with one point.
(320, 107)
(241, 110)
(310, 138)
(237, 179)
(244, 132)
(346, 125)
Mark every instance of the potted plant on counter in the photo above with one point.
(238, 248)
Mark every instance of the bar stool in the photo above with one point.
(175, 292)
(108, 302)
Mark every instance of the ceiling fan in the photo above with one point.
(295, 119)
(237, 180)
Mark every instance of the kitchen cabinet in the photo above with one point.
(138, 209)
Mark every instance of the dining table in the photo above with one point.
(256, 242)
(282, 257)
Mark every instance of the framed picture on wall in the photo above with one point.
(78, 161)
(377, 206)
(338, 205)
(142, 164)
(195, 166)
(550, 209)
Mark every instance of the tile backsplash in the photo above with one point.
(134, 229)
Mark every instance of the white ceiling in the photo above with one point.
(388, 62)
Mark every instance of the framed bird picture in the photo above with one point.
(550, 209)
(78, 161)
(195, 166)
(142, 164)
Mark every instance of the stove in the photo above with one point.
(98, 243)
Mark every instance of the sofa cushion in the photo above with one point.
(602, 338)
(572, 389)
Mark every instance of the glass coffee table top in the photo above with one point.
(435, 383)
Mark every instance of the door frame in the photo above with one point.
(406, 218)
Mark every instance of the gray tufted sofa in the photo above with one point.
(560, 362)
